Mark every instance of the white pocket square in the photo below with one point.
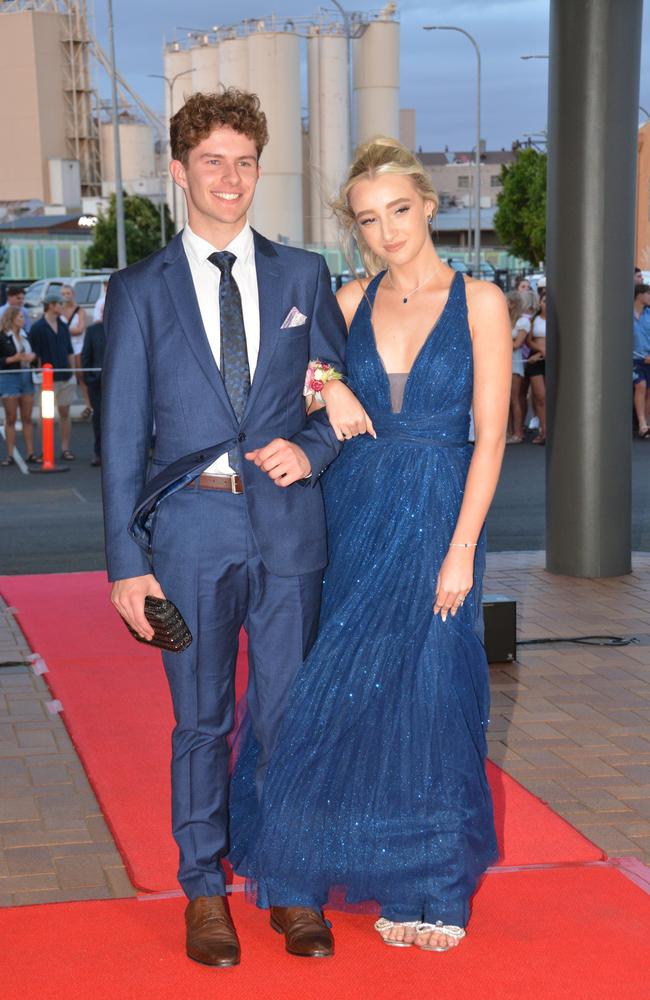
(293, 318)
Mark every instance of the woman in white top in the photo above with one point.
(16, 385)
(75, 316)
(535, 367)
(520, 325)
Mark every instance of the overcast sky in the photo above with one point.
(437, 68)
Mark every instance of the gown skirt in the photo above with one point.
(376, 789)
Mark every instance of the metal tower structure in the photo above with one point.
(81, 130)
(81, 98)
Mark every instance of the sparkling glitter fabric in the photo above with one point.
(376, 788)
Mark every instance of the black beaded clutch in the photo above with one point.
(169, 626)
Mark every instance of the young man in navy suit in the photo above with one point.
(208, 342)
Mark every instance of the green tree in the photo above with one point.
(142, 230)
(4, 258)
(520, 219)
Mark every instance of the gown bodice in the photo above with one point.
(438, 390)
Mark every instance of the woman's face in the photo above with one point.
(391, 216)
(19, 321)
(524, 285)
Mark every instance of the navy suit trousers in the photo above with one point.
(206, 561)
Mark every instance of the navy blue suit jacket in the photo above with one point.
(159, 372)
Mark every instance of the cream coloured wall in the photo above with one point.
(642, 254)
(32, 109)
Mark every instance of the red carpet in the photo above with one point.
(565, 934)
(118, 712)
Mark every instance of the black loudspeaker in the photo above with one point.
(500, 621)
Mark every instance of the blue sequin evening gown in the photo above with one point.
(377, 788)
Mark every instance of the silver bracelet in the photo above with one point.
(464, 545)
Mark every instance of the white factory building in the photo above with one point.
(307, 155)
(324, 85)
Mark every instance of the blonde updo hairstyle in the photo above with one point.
(380, 155)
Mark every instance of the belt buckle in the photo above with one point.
(234, 476)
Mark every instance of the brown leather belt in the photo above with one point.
(229, 484)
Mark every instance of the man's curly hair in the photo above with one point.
(203, 113)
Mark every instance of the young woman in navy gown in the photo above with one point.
(377, 786)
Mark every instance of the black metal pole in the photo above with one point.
(594, 70)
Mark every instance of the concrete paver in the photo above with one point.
(54, 843)
(569, 721)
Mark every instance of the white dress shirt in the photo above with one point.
(206, 279)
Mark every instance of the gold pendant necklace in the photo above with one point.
(406, 297)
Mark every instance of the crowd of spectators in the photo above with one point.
(528, 393)
(58, 338)
(64, 338)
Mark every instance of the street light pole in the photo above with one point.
(119, 193)
(348, 34)
(477, 177)
(170, 81)
(163, 202)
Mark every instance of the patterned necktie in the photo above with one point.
(235, 370)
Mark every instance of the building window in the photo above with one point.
(463, 180)
(495, 181)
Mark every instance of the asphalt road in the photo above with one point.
(53, 523)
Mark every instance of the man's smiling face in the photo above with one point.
(220, 176)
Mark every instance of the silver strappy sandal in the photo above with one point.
(383, 925)
(450, 930)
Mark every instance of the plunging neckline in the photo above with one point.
(425, 342)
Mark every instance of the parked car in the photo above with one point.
(487, 271)
(537, 280)
(87, 290)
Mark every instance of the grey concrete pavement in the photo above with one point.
(53, 524)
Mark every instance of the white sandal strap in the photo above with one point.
(383, 925)
(449, 929)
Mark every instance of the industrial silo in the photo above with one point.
(376, 78)
(334, 133)
(137, 156)
(233, 62)
(232, 59)
(178, 88)
(176, 61)
(205, 63)
(274, 75)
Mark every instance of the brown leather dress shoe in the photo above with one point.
(305, 931)
(211, 936)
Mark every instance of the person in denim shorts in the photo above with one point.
(16, 384)
(641, 358)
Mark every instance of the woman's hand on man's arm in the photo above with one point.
(345, 413)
